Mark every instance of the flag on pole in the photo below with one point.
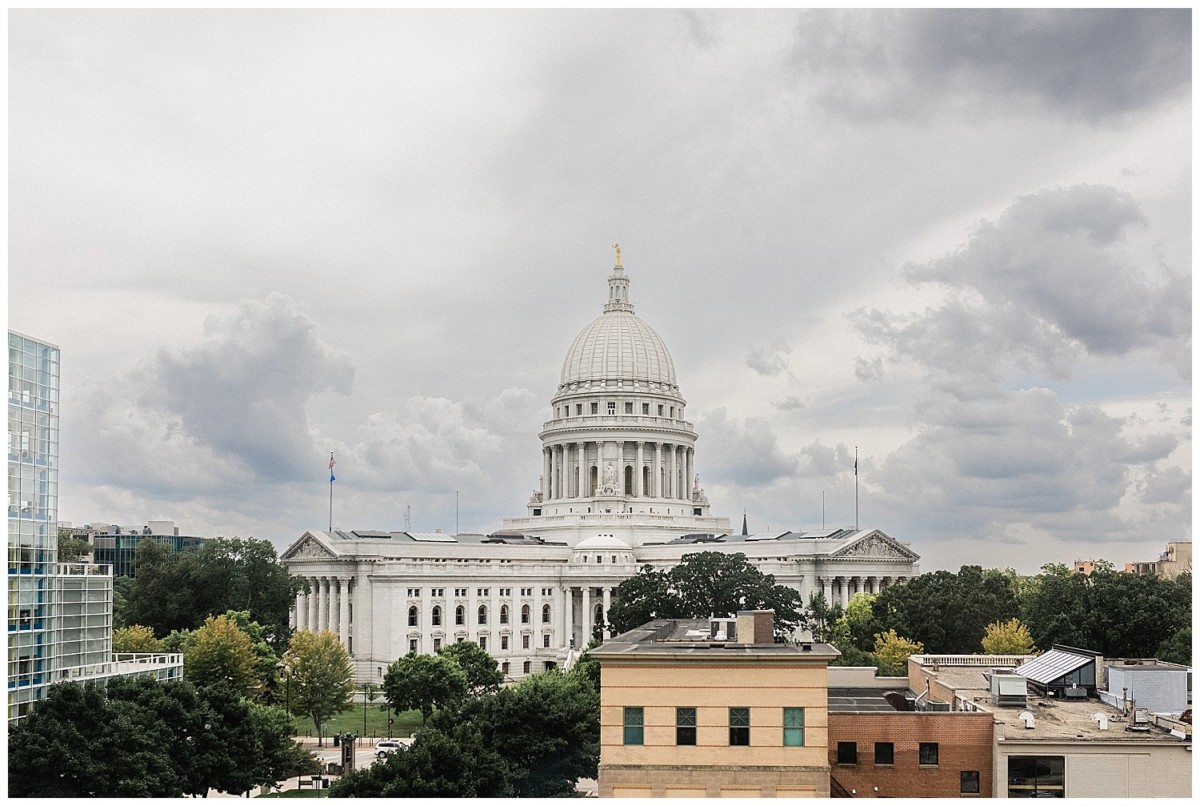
(331, 464)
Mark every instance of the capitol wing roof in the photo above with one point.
(876, 545)
(310, 546)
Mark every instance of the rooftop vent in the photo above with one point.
(1101, 720)
(1027, 718)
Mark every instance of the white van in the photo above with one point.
(385, 747)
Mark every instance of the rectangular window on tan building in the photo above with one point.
(793, 727)
(635, 722)
(739, 727)
(685, 726)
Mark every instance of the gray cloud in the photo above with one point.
(1021, 455)
(242, 393)
(743, 452)
(1091, 64)
(769, 360)
(1052, 278)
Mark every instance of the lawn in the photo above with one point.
(351, 721)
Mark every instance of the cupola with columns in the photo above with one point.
(618, 441)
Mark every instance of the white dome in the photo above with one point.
(602, 543)
(618, 346)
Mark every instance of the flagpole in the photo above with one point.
(856, 488)
(331, 478)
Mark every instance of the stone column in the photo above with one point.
(641, 461)
(587, 617)
(581, 452)
(826, 589)
(691, 473)
(656, 471)
(607, 593)
(314, 598)
(344, 612)
(568, 616)
(546, 474)
(327, 607)
(300, 622)
(845, 585)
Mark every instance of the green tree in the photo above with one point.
(322, 682)
(483, 673)
(219, 652)
(893, 651)
(823, 617)
(266, 659)
(436, 765)
(71, 549)
(58, 751)
(423, 683)
(948, 613)
(854, 627)
(641, 598)
(134, 638)
(122, 590)
(1177, 648)
(246, 575)
(164, 594)
(547, 728)
(1008, 638)
(703, 584)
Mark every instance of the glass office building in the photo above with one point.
(59, 614)
(32, 518)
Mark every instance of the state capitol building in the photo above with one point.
(618, 491)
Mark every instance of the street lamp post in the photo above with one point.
(365, 685)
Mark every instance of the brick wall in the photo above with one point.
(964, 743)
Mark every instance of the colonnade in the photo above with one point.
(840, 588)
(327, 607)
(587, 611)
(566, 466)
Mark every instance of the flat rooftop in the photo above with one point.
(690, 637)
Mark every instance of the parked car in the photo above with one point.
(385, 747)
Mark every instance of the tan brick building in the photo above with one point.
(686, 710)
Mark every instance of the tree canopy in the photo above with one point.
(704, 584)
(482, 671)
(178, 590)
(532, 739)
(424, 683)
(947, 613)
(322, 682)
(220, 652)
(137, 737)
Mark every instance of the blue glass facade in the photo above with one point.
(33, 388)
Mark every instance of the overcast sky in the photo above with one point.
(956, 241)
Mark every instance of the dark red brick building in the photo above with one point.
(911, 754)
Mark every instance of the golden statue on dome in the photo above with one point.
(617, 246)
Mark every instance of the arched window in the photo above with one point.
(436, 614)
(503, 614)
(524, 614)
(483, 614)
(460, 615)
(629, 479)
(646, 481)
(598, 611)
(412, 616)
(593, 479)
(545, 614)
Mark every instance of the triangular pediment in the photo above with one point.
(876, 545)
(308, 547)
